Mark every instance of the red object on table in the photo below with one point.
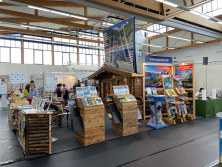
(30, 101)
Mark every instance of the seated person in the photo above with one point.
(198, 95)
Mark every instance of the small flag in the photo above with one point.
(125, 79)
(113, 77)
(137, 80)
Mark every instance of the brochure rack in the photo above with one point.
(128, 112)
(93, 121)
(35, 133)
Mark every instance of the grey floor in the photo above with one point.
(190, 144)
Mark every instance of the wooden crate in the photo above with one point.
(128, 112)
(36, 138)
(94, 124)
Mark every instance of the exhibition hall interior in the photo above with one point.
(111, 83)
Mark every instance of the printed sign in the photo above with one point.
(185, 67)
(18, 78)
(158, 59)
(119, 42)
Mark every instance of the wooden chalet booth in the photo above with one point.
(109, 77)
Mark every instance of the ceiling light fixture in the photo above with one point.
(38, 8)
(108, 24)
(171, 4)
(79, 17)
(27, 26)
(61, 13)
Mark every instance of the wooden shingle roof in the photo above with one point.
(116, 71)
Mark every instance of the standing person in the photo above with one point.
(26, 92)
(75, 85)
(86, 83)
(58, 91)
(32, 92)
(65, 93)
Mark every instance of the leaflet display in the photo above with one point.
(89, 91)
(121, 89)
(18, 78)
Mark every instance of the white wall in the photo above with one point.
(7, 69)
(140, 60)
(208, 76)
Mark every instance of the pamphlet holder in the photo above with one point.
(129, 115)
(155, 103)
(93, 121)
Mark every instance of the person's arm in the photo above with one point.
(34, 93)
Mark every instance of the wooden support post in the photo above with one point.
(22, 50)
(148, 46)
(167, 39)
(85, 14)
(53, 60)
(185, 2)
(192, 2)
(77, 50)
(36, 12)
(191, 38)
(163, 9)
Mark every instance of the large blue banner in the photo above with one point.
(158, 59)
(119, 43)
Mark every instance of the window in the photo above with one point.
(89, 59)
(16, 55)
(82, 59)
(38, 57)
(69, 54)
(95, 60)
(28, 56)
(65, 58)
(5, 55)
(47, 57)
(58, 58)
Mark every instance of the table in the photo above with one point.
(208, 107)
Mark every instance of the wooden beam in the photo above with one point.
(46, 34)
(24, 20)
(169, 32)
(185, 2)
(48, 3)
(85, 14)
(191, 37)
(36, 12)
(192, 2)
(22, 50)
(44, 19)
(187, 46)
(131, 9)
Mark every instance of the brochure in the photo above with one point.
(83, 102)
(126, 89)
(80, 95)
(87, 103)
(98, 100)
(121, 100)
(93, 102)
(90, 101)
(127, 98)
(121, 90)
(132, 98)
(149, 93)
(172, 112)
(109, 99)
(182, 110)
(116, 90)
(154, 91)
(167, 82)
(72, 103)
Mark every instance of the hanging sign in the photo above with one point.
(113, 77)
(137, 80)
(158, 59)
(125, 79)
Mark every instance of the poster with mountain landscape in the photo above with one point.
(186, 73)
(119, 43)
(153, 75)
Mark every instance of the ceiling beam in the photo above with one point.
(169, 32)
(47, 3)
(42, 18)
(25, 20)
(187, 46)
(17, 30)
(143, 15)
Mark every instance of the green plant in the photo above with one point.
(78, 83)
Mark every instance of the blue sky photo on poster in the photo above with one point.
(186, 73)
(119, 43)
(153, 75)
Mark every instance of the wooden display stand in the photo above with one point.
(128, 112)
(189, 116)
(168, 95)
(109, 77)
(36, 138)
(94, 123)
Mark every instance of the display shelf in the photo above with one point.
(93, 121)
(36, 137)
(179, 93)
(167, 92)
(129, 115)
